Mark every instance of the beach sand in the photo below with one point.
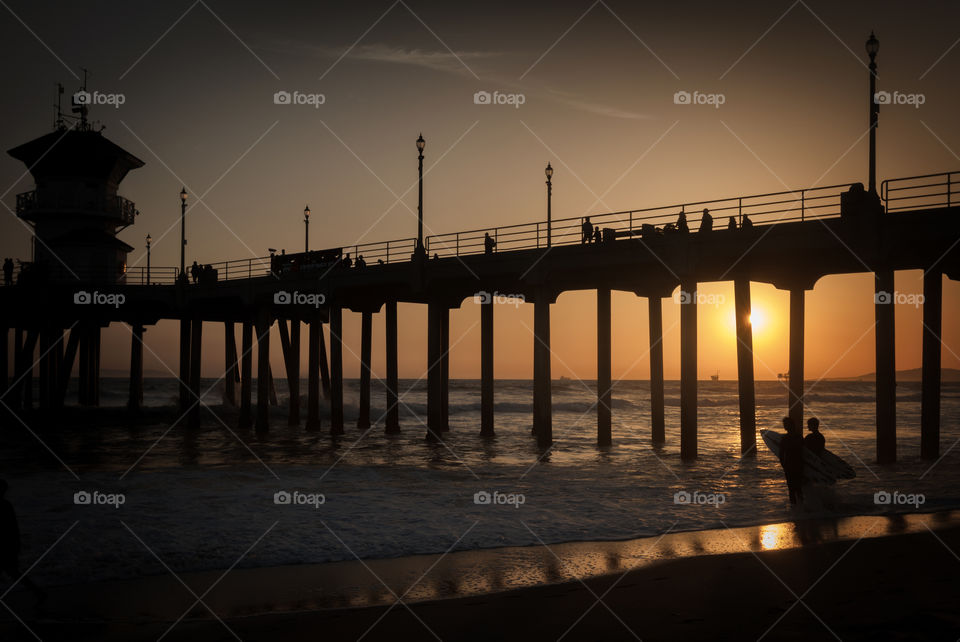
(881, 587)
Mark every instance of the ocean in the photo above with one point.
(164, 496)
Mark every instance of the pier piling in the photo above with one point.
(246, 374)
(745, 382)
(314, 332)
(196, 345)
(392, 425)
(688, 369)
(366, 340)
(604, 380)
(655, 310)
(795, 383)
(486, 367)
(886, 367)
(336, 370)
(263, 370)
(930, 379)
(542, 396)
(231, 371)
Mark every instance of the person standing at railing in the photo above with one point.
(732, 223)
(488, 243)
(195, 272)
(587, 230)
(706, 221)
(8, 271)
(747, 223)
(682, 223)
(360, 262)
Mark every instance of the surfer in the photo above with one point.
(815, 441)
(791, 458)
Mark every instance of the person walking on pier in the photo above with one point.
(587, 231)
(791, 458)
(732, 223)
(347, 261)
(10, 544)
(195, 272)
(706, 221)
(8, 271)
(488, 243)
(747, 224)
(360, 262)
(815, 441)
(682, 223)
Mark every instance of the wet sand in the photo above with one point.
(866, 577)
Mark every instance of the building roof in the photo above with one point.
(73, 153)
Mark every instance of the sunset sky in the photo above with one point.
(597, 82)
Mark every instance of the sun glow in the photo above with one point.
(758, 319)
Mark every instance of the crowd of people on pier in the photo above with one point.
(589, 233)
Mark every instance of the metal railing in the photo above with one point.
(924, 191)
(760, 209)
(31, 273)
(51, 201)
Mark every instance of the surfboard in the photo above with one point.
(825, 468)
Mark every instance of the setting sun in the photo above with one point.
(758, 319)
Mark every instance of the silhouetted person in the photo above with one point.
(732, 223)
(815, 441)
(379, 261)
(10, 544)
(195, 272)
(360, 262)
(682, 223)
(8, 271)
(791, 458)
(347, 261)
(747, 223)
(587, 231)
(488, 243)
(706, 221)
(597, 235)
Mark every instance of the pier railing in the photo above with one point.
(921, 192)
(760, 209)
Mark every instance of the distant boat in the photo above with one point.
(715, 377)
(783, 377)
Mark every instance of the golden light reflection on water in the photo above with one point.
(776, 536)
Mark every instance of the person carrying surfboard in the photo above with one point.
(815, 441)
(791, 458)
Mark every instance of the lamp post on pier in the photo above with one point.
(549, 173)
(306, 228)
(420, 145)
(183, 233)
(149, 241)
(873, 46)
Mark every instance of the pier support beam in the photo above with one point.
(231, 371)
(263, 370)
(745, 382)
(135, 398)
(445, 369)
(795, 384)
(83, 365)
(324, 366)
(486, 367)
(336, 370)
(366, 347)
(886, 368)
(4, 363)
(314, 332)
(69, 356)
(246, 375)
(196, 339)
(45, 363)
(930, 386)
(604, 380)
(184, 375)
(542, 395)
(293, 374)
(392, 425)
(688, 369)
(655, 310)
(435, 313)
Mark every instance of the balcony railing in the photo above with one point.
(115, 206)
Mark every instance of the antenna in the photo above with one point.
(58, 122)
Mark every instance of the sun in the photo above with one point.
(758, 318)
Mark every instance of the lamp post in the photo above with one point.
(420, 145)
(306, 229)
(549, 173)
(183, 231)
(873, 46)
(149, 240)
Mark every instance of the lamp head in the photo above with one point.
(873, 45)
(183, 195)
(149, 240)
(306, 213)
(548, 171)
(421, 143)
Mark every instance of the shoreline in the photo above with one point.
(894, 585)
(322, 591)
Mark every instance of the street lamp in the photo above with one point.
(420, 145)
(183, 232)
(873, 46)
(149, 240)
(306, 229)
(549, 173)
